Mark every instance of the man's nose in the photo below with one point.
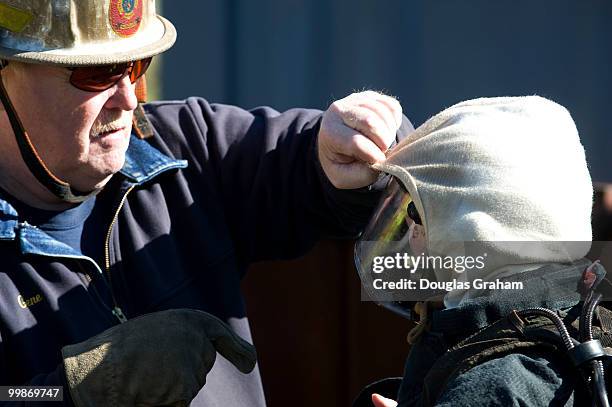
(124, 96)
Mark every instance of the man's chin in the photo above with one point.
(100, 185)
(98, 178)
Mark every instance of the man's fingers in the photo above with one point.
(382, 107)
(380, 401)
(363, 149)
(374, 115)
(348, 143)
(386, 117)
(367, 122)
(393, 107)
(229, 344)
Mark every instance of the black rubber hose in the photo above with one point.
(586, 334)
(565, 336)
(599, 386)
(586, 319)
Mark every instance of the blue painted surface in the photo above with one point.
(430, 54)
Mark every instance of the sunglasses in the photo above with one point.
(101, 77)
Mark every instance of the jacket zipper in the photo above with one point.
(117, 311)
(25, 224)
(92, 287)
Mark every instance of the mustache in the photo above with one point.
(110, 122)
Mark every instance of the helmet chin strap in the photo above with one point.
(141, 125)
(59, 188)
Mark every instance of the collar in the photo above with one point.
(143, 162)
(8, 221)
(552, 286)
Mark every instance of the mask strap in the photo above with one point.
(59, 188)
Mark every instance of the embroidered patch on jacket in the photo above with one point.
(125, 16)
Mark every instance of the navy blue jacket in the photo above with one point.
(214, 190)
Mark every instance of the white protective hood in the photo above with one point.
(508, 169)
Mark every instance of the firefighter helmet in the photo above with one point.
(83, 32)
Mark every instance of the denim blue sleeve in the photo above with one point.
(513, 380)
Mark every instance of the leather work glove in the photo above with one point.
(156, 359)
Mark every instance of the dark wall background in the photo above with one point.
(317, 343)
(430, 54)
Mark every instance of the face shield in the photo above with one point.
(386, 255)
(397, 268)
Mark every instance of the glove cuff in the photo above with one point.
(88, 375)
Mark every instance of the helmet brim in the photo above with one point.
(160, 37)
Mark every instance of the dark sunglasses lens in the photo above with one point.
(102, 77)
(139, 68)
(97, 78)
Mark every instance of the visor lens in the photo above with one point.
(101, 77)
(390, 222)
(386, 235)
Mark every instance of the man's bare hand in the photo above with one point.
(357, 131)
